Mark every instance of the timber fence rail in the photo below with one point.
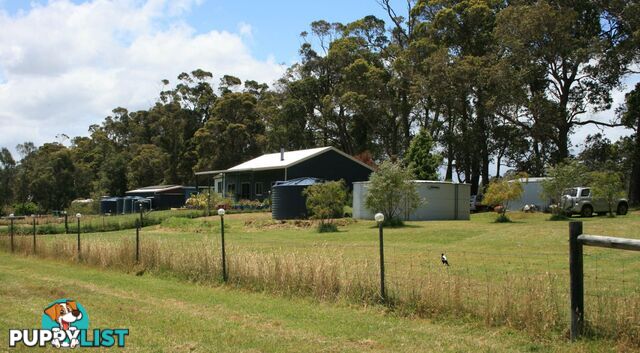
(626, 302)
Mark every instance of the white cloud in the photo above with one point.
(64, 66)
(245, 29)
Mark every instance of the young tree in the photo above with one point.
(420, 158)
(325, 202)
(606, 186)
(563, 176)
(503, 190)
(391, 191)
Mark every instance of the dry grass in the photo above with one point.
(535, 303)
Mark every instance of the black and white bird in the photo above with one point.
(444, 260)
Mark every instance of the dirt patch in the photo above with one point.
(270, 224)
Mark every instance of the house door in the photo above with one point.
(245, 192)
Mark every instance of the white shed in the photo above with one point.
(441, 201)
(532, 195)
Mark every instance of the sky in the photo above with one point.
(64, 65)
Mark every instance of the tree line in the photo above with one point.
(468, 83)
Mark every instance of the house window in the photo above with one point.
(259, 189)
(231, 189)
(219, 187)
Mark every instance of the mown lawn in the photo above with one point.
(166, 315)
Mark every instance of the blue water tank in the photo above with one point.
(119, 205)
(108, 205)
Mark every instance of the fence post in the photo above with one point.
(576, 279)
(34, 233)
(379, 217)
(383, 293)
(11, 220)
(224, 260)
(137, 241)
(208, 195)
(141, 215)
(66, 222)
(78, 217)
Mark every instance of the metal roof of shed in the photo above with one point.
(305, 181)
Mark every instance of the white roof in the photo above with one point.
(421, 182)
(155, 188)
(533, 179)
(274, 160)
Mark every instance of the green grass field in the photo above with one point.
(91, 223)
(501, 275)
(168, 315)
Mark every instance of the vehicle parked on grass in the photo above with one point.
(578, 200)
(476, 205)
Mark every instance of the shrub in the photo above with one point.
(326, 201)
(327, 228)
(608, 187)
(391, 191)
(25, 208)
(201, 200)
(501, 191)
(502, 218)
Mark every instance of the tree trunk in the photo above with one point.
(634, 187)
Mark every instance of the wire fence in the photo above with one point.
(526, 290)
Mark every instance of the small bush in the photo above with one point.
(392, 192)
(326, 201)
(327, 228)
(502, 218)
(393, 222)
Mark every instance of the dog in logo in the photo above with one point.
(64, 314)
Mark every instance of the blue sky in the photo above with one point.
(276, 25)
(65, 64)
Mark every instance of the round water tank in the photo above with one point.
(127, 204)
(108, 205)
(287, 200)
(119, 205)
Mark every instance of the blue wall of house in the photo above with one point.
(330, 165)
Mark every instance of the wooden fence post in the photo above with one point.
(576, 279)
(137, 241)
(383, 293)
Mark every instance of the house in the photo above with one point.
(253, 179)
(439, 200)
(163, 197)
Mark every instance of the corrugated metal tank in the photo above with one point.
(128, 204)
(146, 204)
(440, 200)
(287, 201)
(119, 205)
(108, 205)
